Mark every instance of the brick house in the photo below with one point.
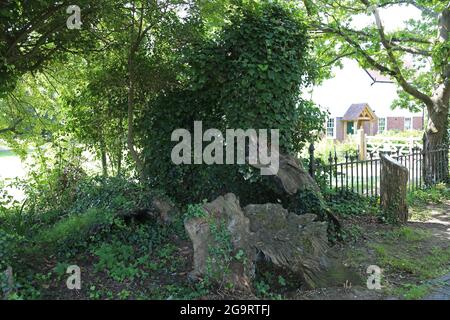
(361, 116)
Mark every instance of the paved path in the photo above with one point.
(440, 223)
(442, 289)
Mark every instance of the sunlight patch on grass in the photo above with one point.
(421, 214)
(422, 263)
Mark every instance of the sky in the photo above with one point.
(352, 84)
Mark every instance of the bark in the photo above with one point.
(130, 134)
(436, 131)
(119, 154)
(292, 179)
(119, 162)
(298, 243)
(434, 142)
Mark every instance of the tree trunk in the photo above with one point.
(135, 42)
(104, 160)
(119, 162)
(437, 130)
(10, 285)
(436, 137)
(120, 149)
(130, 136)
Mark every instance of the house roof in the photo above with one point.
(355, 110)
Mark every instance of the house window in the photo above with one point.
(408, 124)
(381, 125)
(330, 128)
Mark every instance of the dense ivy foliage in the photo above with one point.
(250, 76)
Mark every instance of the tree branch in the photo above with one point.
(337, 58)
(410, 2)
(420, 52)
(366, 36)
(395, 63)
(12, 128)
(360, 50)
(32, 25)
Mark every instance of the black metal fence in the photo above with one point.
(350, 173)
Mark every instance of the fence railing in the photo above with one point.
(383, 144)
(425, 167)
(376, 144)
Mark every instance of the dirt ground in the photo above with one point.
(415, 259)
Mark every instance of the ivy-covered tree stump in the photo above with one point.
(393, 187)
(226, 240)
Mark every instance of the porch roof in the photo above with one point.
(355, 110)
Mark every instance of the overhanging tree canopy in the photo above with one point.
(416, 56)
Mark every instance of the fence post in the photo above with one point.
(411, 145)
(362, 145)
(426, 180)
(444, 162)
(312, 161)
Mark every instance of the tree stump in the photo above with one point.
(296, 242)
(393, 187)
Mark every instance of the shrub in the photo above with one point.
(435, 194)
(117, 196)
(9, 243)
(325, 147)
(117, 259)
(346, 203)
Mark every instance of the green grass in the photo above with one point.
(7, 153)
(71, 230)
(412, 291)
(419, 262)
(407, 234)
